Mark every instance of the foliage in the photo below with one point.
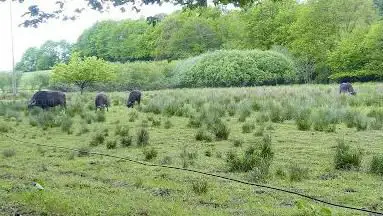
(237, 68)
(150, 153)
(142, 137)
(45, 57)
(376, 165)
(83, 72)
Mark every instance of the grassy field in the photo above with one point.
(303, 138)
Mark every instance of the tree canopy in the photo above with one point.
(83, 72)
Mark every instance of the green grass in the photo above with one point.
(85, 184)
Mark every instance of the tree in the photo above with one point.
(45, 57)
(29, 60)
(4, 81)
(83, 72)
(39, 80)
(36, 15)
(115, 41)
(321, 24)
(187, 34)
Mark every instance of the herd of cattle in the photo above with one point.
(46, 99)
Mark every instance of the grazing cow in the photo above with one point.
(346, 88)
(134, 96)
(46, 99)
(101, 101)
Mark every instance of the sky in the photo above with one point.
(55, 29)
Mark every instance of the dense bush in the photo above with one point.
(236, 68)
(346, 158)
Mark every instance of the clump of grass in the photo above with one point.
(156, 122)
(150, 153)
(142, 137)
(88, 117)
(259, 131)
(168, 124)
(203, 135)
(9, 153)
(220, 130)
(303, 120)
(376, 165)
(83, 151)
(33, 122)
(200, 186)
(324, 120)
(208, 153)
(238, 142)
(97, 139)
(244, 112)
(100, 116)
(349, 118)
(122, 131)
(194, 122)
(262, 117)
(111, 144)
(346, 158)
(297, 173)
(231, 109)
(4, 128)
(133, 115)
(280, 172)
(276, 112)
(251, 158)
(66, 125)
(376, 124)
(248, 127)
(361, 122)
(166, 160)
(126, 141)
(187, 157)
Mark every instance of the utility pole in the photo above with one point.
(14, 86)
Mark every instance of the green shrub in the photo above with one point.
(376, 165)
(200, 186)
(194, 122)
(111, 144)
(276, 112)
(262, 117)
(244, 112)
(9, 153)
(346, 158)
(156, 122)
(166, 160)
(247, 127)
(83, 151)
(231, 109)
(88, 117)
(150, 153)
(236, 68)
(259, 131)
(142, 137)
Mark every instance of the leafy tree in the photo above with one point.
(268, 24)
(29, 60)
(45, 57)
(358, 57)
(115, 41)
(4, 81)
(83, 72)
(186, 34)
(320, 26)
(36, 15)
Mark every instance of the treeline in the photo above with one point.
(324, 40)
(45, 56)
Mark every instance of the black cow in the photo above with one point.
(134, 96)
(346, 87)
(46, 99)
(101, 101)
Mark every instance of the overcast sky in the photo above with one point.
(54, 29)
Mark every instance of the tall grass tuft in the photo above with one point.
(376, 165)
(142, 137)
(347, 158)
